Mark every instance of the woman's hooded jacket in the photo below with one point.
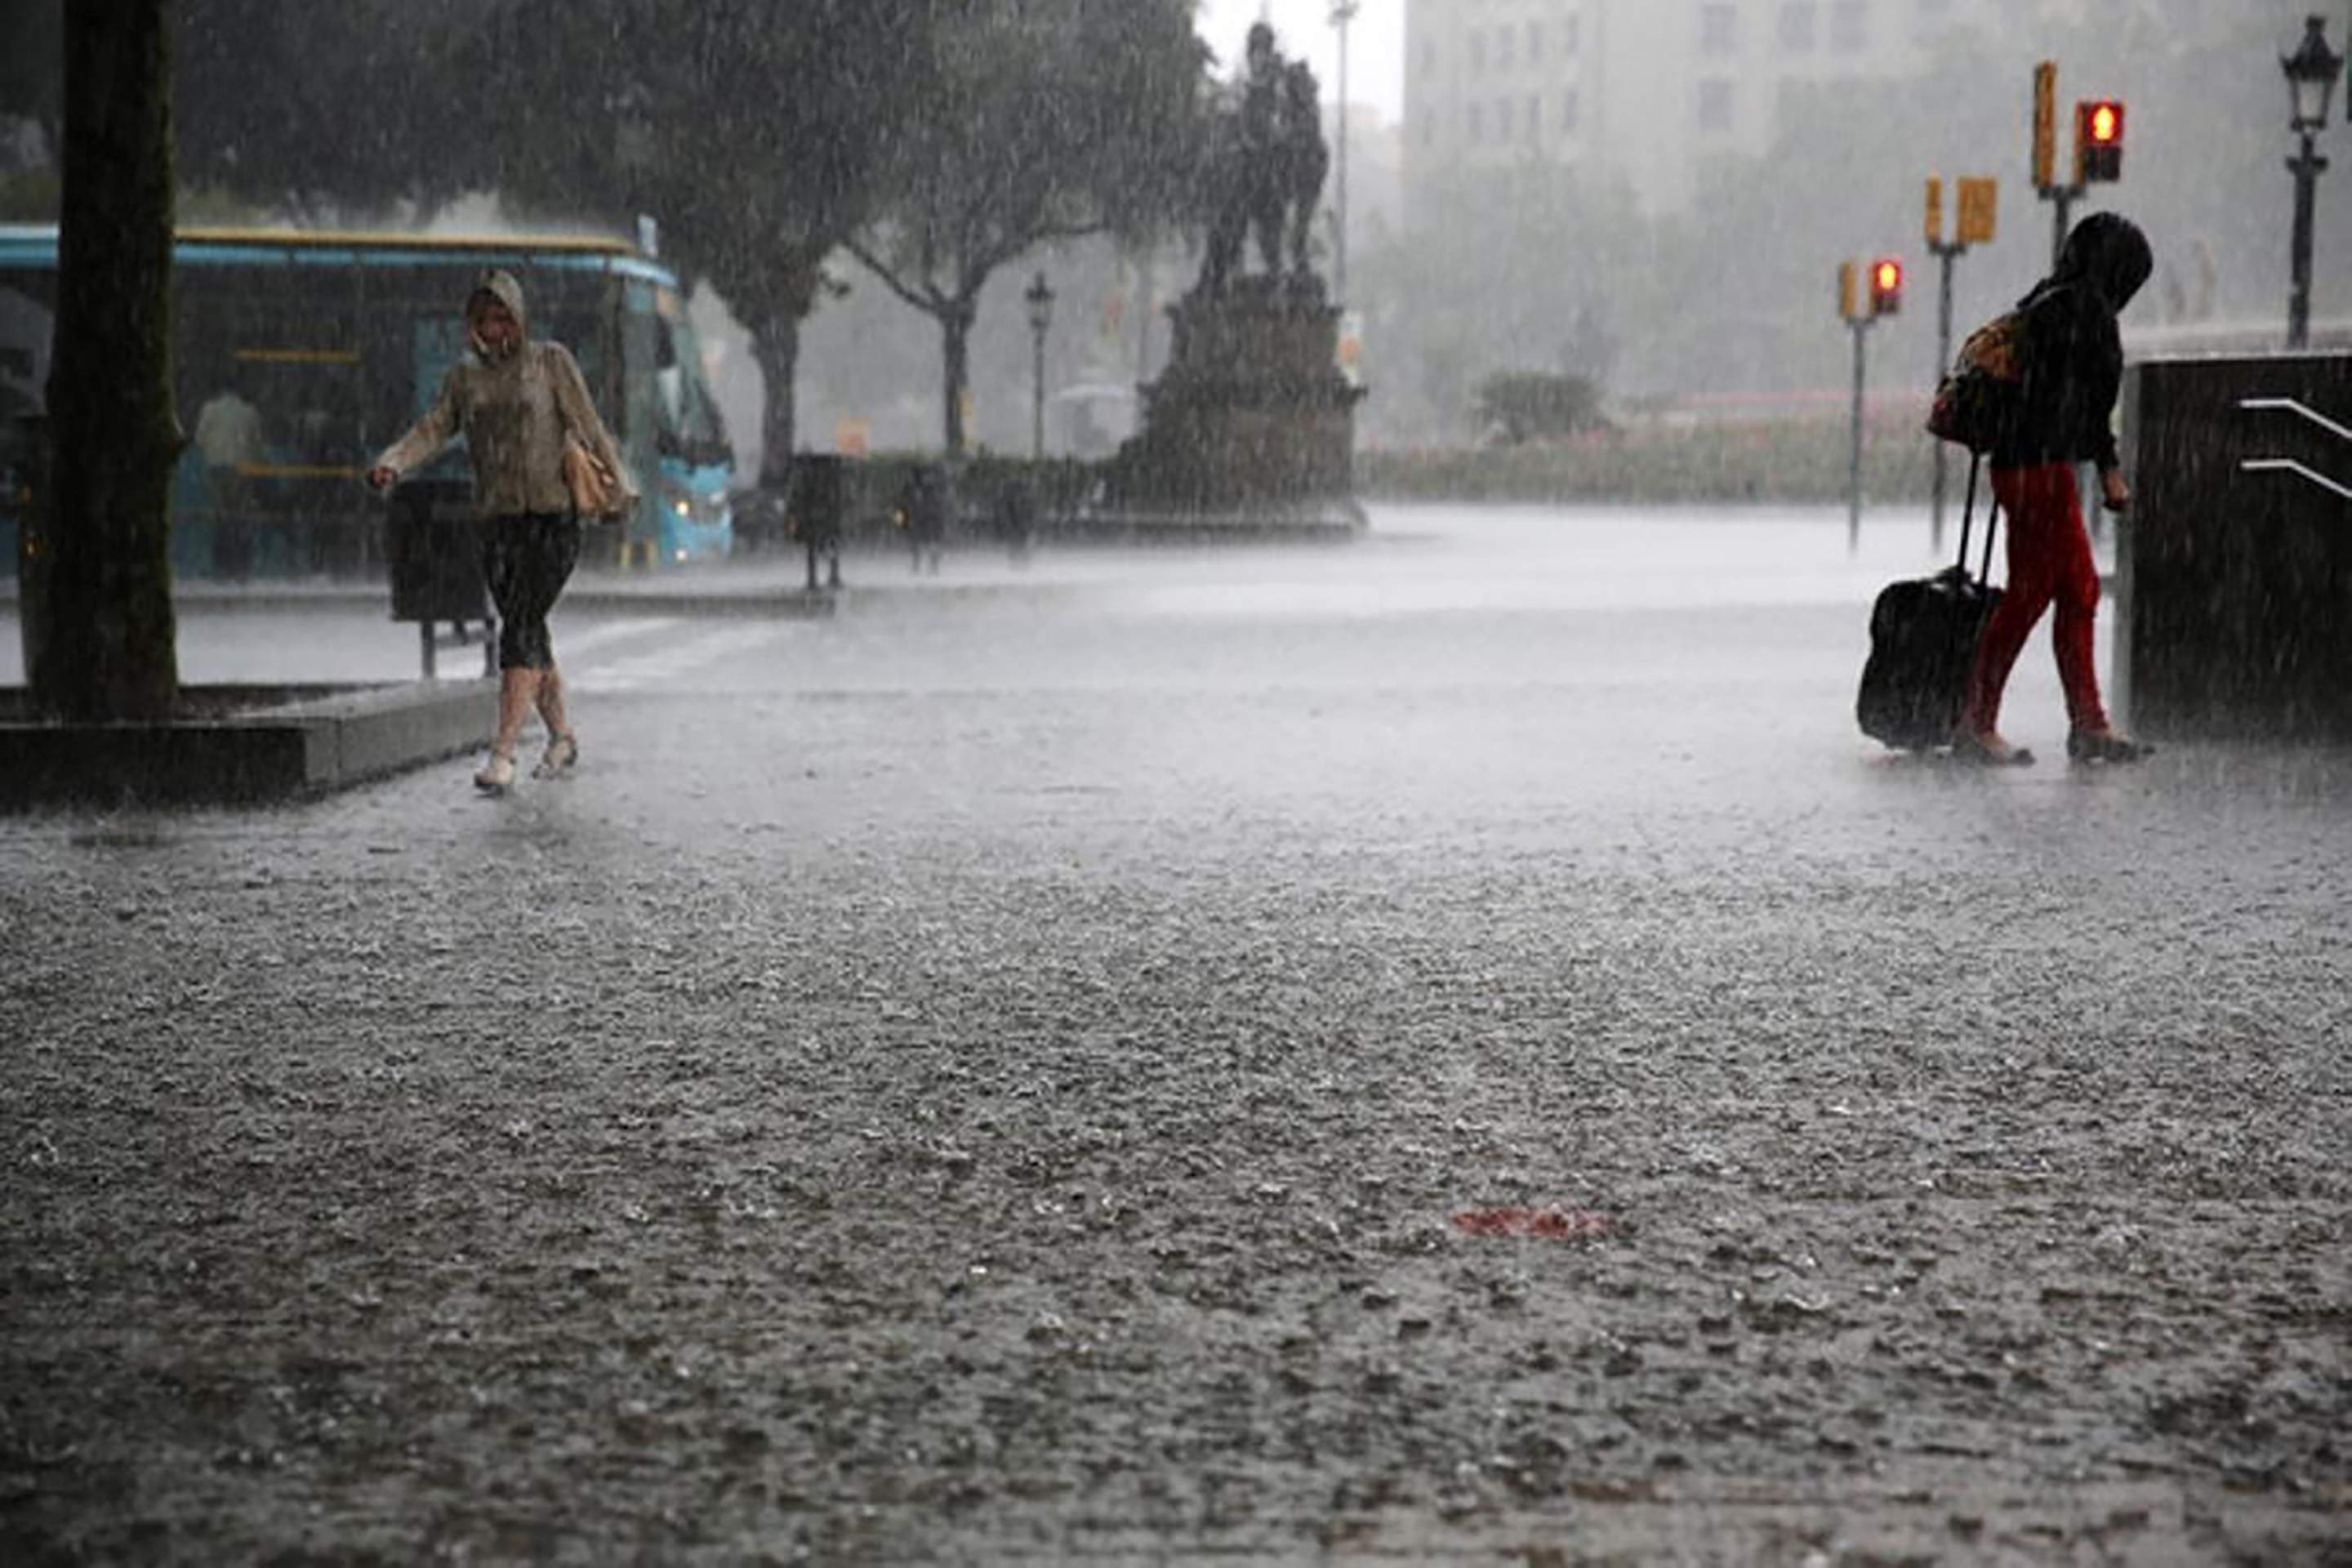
(2074, 351)
(514, 411)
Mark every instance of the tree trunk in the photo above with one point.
(106, 635)
(777, 346)
(955, 357)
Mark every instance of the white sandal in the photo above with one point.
(498, 774)
(561, 754)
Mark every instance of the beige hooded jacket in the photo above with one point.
(514, 412)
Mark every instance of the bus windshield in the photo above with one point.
(689, 424)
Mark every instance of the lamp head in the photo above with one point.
(2311, 73)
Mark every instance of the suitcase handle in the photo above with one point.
(1967, 516)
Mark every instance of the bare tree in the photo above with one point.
(1036, 120)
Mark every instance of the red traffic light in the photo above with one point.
(1885, 285)
(2099, 139)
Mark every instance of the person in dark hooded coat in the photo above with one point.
(2074, 365)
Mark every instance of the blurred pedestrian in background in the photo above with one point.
(228, 436)
(923, 507)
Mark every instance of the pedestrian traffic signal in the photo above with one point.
(2099, 139)
(1980, 210)
(1885, 287)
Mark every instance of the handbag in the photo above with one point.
(595, 489)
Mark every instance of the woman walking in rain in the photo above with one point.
(2073, 362)
(517, 403)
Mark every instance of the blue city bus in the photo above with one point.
(338, 341)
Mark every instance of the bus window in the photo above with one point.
(690, 425)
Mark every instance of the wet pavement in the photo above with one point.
(1447, 1048)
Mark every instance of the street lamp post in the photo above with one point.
(1343, 12)
(2311, 73)
(1040, 300)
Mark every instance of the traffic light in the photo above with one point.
(2045, 126)
(2099, 139)
(1885, 287)
(1979, 211)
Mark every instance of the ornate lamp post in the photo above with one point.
(1040, 300)
(2311, 73)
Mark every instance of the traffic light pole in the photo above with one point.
(2063, 197)
(1861, 325)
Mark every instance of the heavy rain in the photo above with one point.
(1546, 782)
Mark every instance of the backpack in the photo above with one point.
(1978, 400)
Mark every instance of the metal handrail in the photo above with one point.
(2289, 405)
(2289, 466)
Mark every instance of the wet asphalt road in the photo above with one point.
(1002, 1075)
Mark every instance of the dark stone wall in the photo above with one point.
(2234, 589)
(1251, 412)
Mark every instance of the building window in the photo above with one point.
(1504, 38)
(1535, 117)
(1714, 104)
(1429, 56)
(1719, 29)
(1428, 129)
(1569, 109)
(1572, 32)
(1476, 126)
(1502, 120)
(1850, 25)
(1477, 51)
(1798, 22)
(1534, 43)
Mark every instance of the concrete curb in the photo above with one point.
(242, 745)
(665, 599)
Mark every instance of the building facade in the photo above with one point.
(1642, 90)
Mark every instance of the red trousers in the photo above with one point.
(2049, 561)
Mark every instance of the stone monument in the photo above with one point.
(1252, 425)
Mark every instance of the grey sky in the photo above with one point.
(1375, 43)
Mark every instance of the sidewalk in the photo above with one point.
(1049, 1082)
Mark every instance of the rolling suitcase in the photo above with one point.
(1923, 640)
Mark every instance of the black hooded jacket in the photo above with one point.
(2073, 352)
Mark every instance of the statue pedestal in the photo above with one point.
(1252, 424)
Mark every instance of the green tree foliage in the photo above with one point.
(358, 106)
(1032, 121)
(32, 92)
(754, 132)
(97, 611)
(32, 68)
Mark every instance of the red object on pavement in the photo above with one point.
(1545, 1225)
